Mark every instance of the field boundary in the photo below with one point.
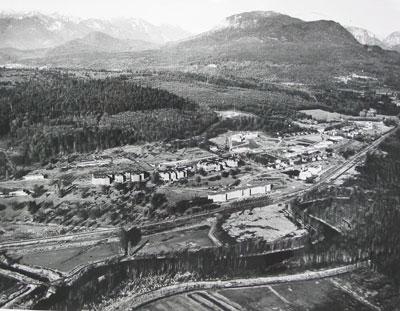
(136, 302)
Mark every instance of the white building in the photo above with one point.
(218, 197)
(165, 176)
(134, 176)
(236, 194)
(310, 172)
(119, 178)
(172, 175)
(231, 162)
(34, 177)
(240, 193)
(210, 166)
(181, 174)
(304, 175)
(99, 179)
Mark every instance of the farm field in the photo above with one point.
(307, 295)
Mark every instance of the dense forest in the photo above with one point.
(367, 208)
(352, 102)
(61, 114)
(61, 96)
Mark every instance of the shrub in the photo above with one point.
(158, 199)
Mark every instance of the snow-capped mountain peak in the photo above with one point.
(393, 39)
(34, 30)
(364, 36)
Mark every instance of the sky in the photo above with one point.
(379, 16)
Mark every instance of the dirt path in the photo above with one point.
(136, 302)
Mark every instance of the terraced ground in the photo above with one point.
(322, 294)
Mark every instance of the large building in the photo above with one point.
(32, 177)
(102, 179)
(172, 174)
(240, 193)
(216, 165)
(135, 176)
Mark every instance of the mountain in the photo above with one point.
(36, 31)
(136, 29)
(266, 42)
(12, 55)
(393, 40)
(99, 42)
(365, 37)
(265, 46)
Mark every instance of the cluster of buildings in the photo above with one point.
(239, 143)
(106, 179)
(370, 113)
(173, 174)
(207, 165)
(166, 173)
(306, 157)
(240, 193)
(216, 165)
(305, 173)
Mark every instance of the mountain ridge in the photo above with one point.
(265, 46)
(37, 30)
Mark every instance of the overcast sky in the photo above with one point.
(379, 16)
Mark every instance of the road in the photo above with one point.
(133, 302)
(332, 175)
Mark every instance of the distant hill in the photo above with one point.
(37, 31)
(99, 42)
(265, 46)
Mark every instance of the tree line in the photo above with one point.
(62, 114)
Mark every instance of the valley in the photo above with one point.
(253, 166)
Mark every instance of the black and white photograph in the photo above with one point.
(187, 155)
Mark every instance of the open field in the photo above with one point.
(68, 258)
(267, 222)
(231, 114)
(315, 295)
(223, 96)
(178, 240)
(322, 115)
(21, 231)
(70, 255)
(306, 295)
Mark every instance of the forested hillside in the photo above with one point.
(367, 209)
(62, 114)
